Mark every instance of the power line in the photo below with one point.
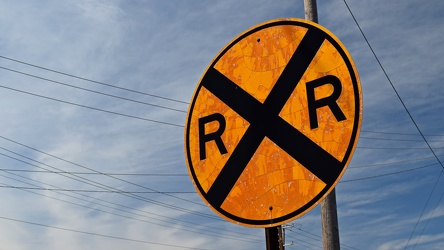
(180, 192)
(395, 133)
(422, 212)
(198, 231)
(83, 206)
(119, 191)
(92, 108)
(387, 174)
(122, 192)
(92, 81)
(392, 85)
(308, 244)
(427, 222)
(95, 171)
(82, 180)
(405, 108)
(396, 148)
(94, 191)
(391, 163)
(299, 240)
(106, 187)
(316, 238)
(97, 234)
(395, 139)
(89, 173)
(92, 91)
(190, 224)
(183, 175)
(158, 96)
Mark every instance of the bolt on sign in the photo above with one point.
(273, 123)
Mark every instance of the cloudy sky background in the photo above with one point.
(94, 97)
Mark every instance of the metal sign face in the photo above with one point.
(273, 123)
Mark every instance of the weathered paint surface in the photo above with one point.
(272, 177)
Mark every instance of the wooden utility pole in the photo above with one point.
(273, 238)
(311, 10)
(281, 238)
(329, 216)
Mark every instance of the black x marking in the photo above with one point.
(265, 121)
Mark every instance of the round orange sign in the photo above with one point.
(273, 123)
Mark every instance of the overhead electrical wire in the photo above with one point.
(182, 192)
(101, 200)
(186, 175)
(318, 237)
(312, 236)
(121, 192)
(90, 198)
(289, 228)
(308, 245)
(95, 171)
(427, 222)
(27, 189)
(158, 96)
(392, 173)
(391, 163)
(94, 191)
(309, 237)
(410, 116)
(93, 91)
(92, 81)
(200, 231)
(396, 139)
(100, 235)
(387, 174)
(92, 108)
(27, 146)
(92, 173)
(109, 188)
(393, 86)
(422, 212)
(56, 190)
(181, 126)
(396, 133)
(399, 148)
(64, 174)
(161, 97)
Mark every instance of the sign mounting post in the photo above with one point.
(273, 123)
(329, 214)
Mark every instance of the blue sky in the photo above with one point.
(63, 139)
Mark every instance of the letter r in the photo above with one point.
(214, 136)
(329, 101)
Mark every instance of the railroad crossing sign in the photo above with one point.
(273, 123)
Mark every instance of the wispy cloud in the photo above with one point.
(163, 48)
